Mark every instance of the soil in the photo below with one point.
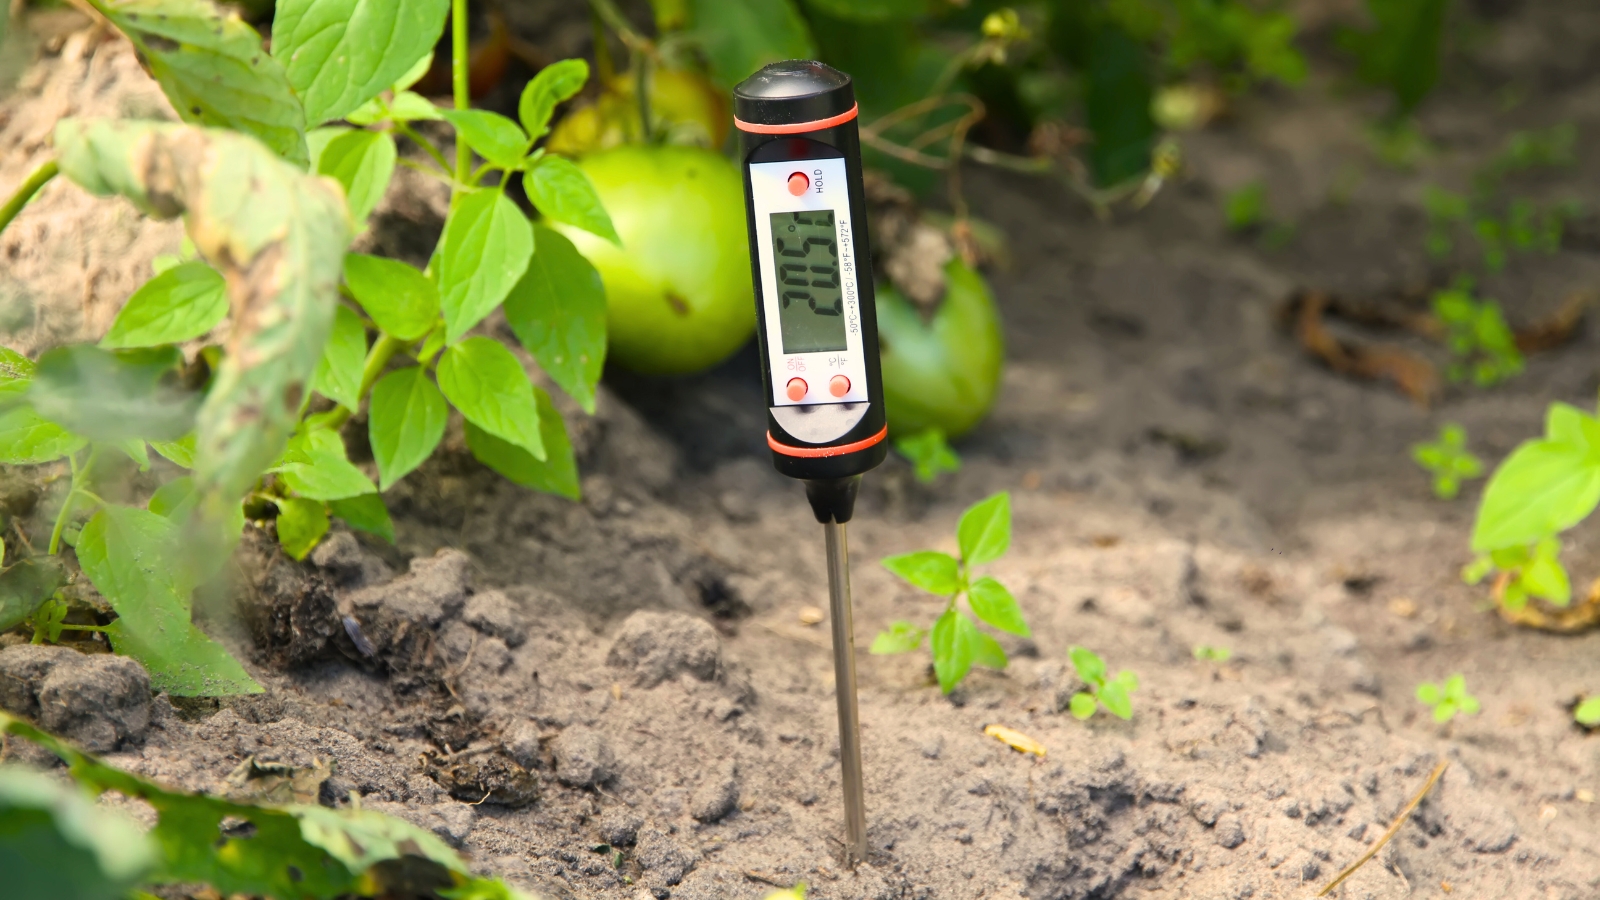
(618, 697)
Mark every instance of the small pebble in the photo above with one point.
(811, 615)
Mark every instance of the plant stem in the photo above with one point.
(73, 491)
(40, 177)
(458, 73)
(383, 351)
(426, 145)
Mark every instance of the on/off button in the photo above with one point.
(796, 389)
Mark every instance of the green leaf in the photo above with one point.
(1118, 90)
(953, 650)
(1402, 52)
(365, 513)
(301, 524)
(174, 499)
(317, 140)
(929, 454)
(1588, 712)
(1545, 577)
(180, 304)
(870, 10)
(485, 382)
(495, 137)
(1114, 697)
(739, 37)
(987, 652)
(211, 66)
(413, 74)
(360, 839)
(108, 395)
(135, 450)
(180, 451)
(1128, 681)
(400, 299)
(485, 248)
(131, 557)
(935, 572)
(26, 584)
(27, 438)
(558, 311)
(1082, 705)
(409, 106)
(59, 843)
(901, 637)
(16, 371)
(1091, 668)
(405, 421)
(339, 374)
(563, 193)
(1429, 693)
(329, 475)
(555, 83)
(992, 603)
(1445, 711)
(557, 474)
(341, 53)
(984, 532)
(277, 234)
(1543, 488)
(363, 162)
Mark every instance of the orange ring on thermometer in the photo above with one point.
(798, 127)
(824, 452)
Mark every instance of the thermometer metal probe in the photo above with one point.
(817, 331)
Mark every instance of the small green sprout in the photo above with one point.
(1448, 700)
(1444, 210)
(1111, 692)
(1535, 572)
(928, 454)
(1448, 461)
(1246, 207)
(1477, 335)
(1208, 653)
(984, 535)
(1588, 713)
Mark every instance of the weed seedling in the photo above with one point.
(1208, 653)
(1246, 207)
(1110, 692)
(1448, 461)
(983, 534)
(928, 454)
(1448, 700)
(1477, 335)
(1588, 713)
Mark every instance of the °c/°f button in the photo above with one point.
(798, 182)
(839, 385)
(796, 389)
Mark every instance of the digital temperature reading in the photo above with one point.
(805, 247)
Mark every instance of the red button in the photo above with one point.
(797, 389)
(798, 182)
(838, 385)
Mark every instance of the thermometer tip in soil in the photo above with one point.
(817, 330)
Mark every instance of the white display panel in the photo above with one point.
(825, 193)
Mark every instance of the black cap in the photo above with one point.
(793, 92)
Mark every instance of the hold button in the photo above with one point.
(798, 182)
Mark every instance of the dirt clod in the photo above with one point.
(664, 859)
(716, 797)
(1229, 831)
(620, 828)
(583, 757)
(492, 613)
(660, 645)
(99, 701)
(483, 776)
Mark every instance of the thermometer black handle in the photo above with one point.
(810, 259)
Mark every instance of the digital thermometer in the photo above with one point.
(817, 329)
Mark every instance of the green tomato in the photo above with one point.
(678, 293)
(943, 373)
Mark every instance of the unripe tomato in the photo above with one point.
(685, 108)
(678, 294)
(943, 373)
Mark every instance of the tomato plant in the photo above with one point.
(271, 193)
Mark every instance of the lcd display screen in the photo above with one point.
(805, 247)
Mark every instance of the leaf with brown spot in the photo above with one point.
(210, 64)
(276, 234)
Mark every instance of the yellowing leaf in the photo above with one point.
(1016, 739)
